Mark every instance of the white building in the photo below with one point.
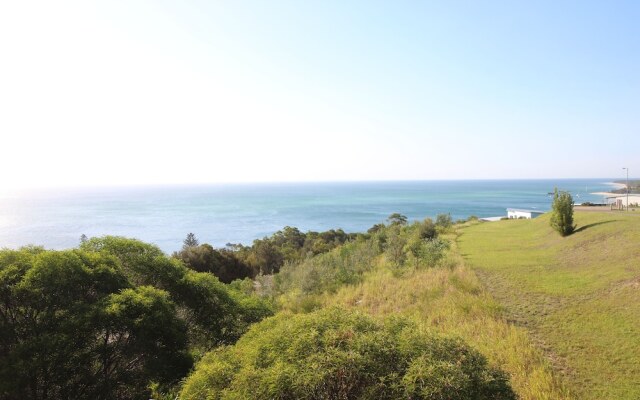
(516, 213)
(620, 201)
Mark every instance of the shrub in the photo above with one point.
(426, 253)
(326, 272)
(433, 251)
(397, 219)
(106, 320)
(223, 263)
(214, 312)
(427, 229)
(338, 354)
(79, 329)
(562, 213)
(444, 220)
(394, 246)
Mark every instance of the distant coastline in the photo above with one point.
(618, 184)
(220, 214)
(620, 187)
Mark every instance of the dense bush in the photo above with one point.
(223, 263)
(397, 219)
(562, 213)
(265, 256)
(426, 230)
(73, 326)
(106, 320)
(444, 220)
(423, 248)
(214, 312)
(337, 354)
(394, 245)
(402, 247)
(327, 272)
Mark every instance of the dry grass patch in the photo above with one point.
(451, 301)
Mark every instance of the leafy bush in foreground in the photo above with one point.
(214, 312)
(106, 320)
(337, 354)
(72, 326)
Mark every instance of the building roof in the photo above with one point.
(526, 211)
(620, 196)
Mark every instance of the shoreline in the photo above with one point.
(617, 185)
(609, 194)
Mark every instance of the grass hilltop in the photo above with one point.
(578, 296)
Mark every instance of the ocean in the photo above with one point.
(239, 213)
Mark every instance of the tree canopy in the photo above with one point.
(397, 219)
(190, 241)
(265, 256)
(106, 320)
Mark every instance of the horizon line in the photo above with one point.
(606, 180)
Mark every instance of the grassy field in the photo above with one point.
(451, 301)
(579, 296)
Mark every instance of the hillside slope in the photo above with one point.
(450, 300)
(394, 272)
(578, 295)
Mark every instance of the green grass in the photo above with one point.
(579, 295)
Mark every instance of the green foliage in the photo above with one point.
(327, 272)
(212, 311)
(223, 263)
(562, 213)
(73, 328)
(422, 248)
(266, 257)
(426, 253)
(137, 258)
(289, 245)
(337, 354)
(397, 219)
(141, 340)
(444, 220)
(426, 230)
(190, 241)
(394, 246)
(106, 320)
(375, 228)
(401, 246)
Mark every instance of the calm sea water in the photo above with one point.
(240, 213)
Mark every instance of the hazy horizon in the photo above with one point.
(603, 180)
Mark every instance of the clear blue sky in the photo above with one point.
(198, 91)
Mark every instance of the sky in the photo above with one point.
(153, 92)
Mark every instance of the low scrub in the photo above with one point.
(336, 354)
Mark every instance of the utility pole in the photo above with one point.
(627, 187)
